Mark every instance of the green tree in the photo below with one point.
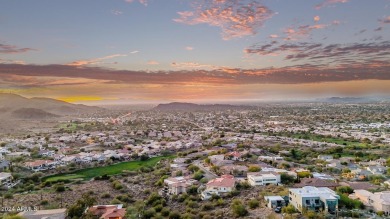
(174, 215)
(198, 175)
(144, 157)
(388, 162)
(344, 189)
(238, 208)
(253, 203)
(193, 190)
(254, 169)
(60, 188)
(289, 209)
(286, 178)
(76, 210)
(193, 168)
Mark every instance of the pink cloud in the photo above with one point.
(144, 2)
(94, 61)
(302, 31)
(10, 49)
(235, 18)
(385, 20)
(273, 36)
(326, 3)
(316, 18)
(189, 48)
(192, 65)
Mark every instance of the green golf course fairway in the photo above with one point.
(114, 169)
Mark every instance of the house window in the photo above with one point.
(308, 202)
(317, 201)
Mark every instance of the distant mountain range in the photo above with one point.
(355, 99)
(178, 106)
(13, 106)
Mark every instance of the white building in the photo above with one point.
(5, 178)
(263, 178)
(380, 201)
(178, 185)
(313, 198)
(279, 171)
(275, 201)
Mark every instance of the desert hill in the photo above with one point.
(13, 106)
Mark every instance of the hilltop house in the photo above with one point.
(219, 186)
(108, 211)
(235, 170)
(236, 156)
(263, 178)
(39, 165)
(178, 185)
(313, 198)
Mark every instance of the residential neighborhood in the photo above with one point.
(158, 163)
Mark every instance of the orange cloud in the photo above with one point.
(235, 18)
(326, 3)
(94, 61)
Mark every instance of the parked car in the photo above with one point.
(278, 209)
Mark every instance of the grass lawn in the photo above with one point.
(319, 138)
(90, 173)
(70, 126)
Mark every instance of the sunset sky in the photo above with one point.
(138, 51)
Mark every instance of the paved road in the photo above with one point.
(208, 174)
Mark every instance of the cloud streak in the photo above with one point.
(295, 74)
(302, 31)
(94, 61)
(11, 49)
(327, 3)
(330, 54)
(144, 2)
(235, 18)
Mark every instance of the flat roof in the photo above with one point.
(4, 175)
(274, 198)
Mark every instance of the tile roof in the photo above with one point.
(223, 181)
